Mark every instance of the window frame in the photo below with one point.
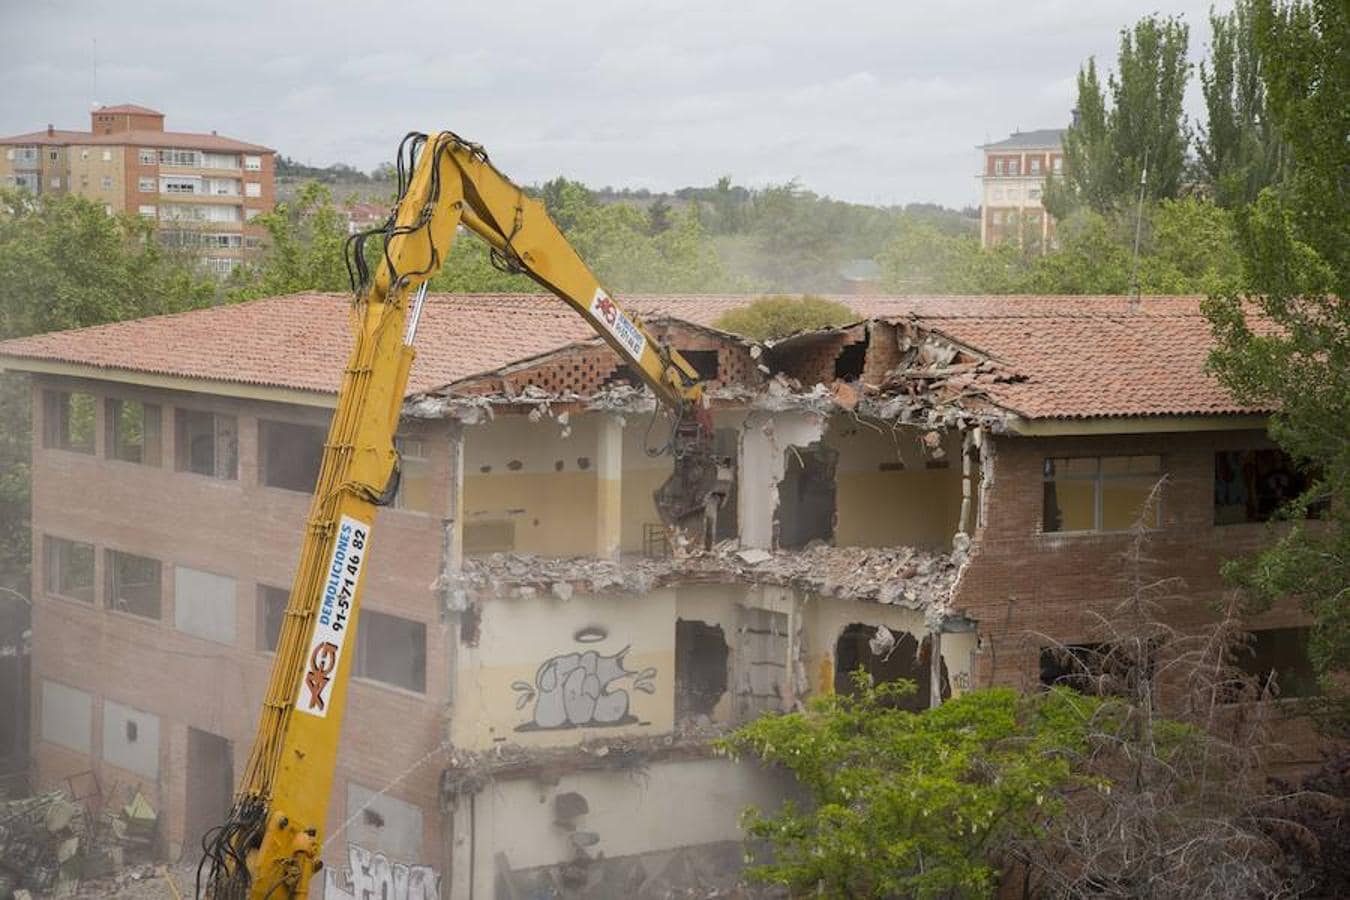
(1299, 478)
(401, 443)
(362, 649)
(50, 587)
(183, 453)
(56, 432)
(1097, 479)
(151, 452)
(265, 430)
(264, 595)
(110, 586)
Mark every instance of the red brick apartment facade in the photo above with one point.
(202, 190)
(156, 547)
(1012, 184)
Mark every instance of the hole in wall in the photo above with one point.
(806, 496)
(701, 655)
(848, 365)
(902, 656)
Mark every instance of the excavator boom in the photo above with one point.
(269, 848)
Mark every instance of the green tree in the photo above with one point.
(658, 216)
(65, 263)
(305, 247)
(1093, 258)
(1239, 150)
(923, 259)
(1144, 124)
(910, 804)
(1092, 175)
(469, 269)
(1295, 247)
(775, 317)
(1192, 248)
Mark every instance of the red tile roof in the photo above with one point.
(56, 136)
(186, 140)
(1081, 356)
(1100, 361)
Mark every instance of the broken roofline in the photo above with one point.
(465, 401)
(912, 370)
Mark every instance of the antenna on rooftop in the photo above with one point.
(94, 100)
(1138, 224)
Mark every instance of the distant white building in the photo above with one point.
(1013, 180)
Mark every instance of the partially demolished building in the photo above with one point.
(934, 492)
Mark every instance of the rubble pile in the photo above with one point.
(49, 843)
(469, 771)
(893, 575)
(936, 379)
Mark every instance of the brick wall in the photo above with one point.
(1022, 583)
(251, 533)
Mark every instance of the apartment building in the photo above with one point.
(1012, 182)
(202, 190)
(934, 492)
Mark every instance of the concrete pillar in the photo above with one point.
(452, 525)
(608, 487)
(935, 669)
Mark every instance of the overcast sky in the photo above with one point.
(879, 102)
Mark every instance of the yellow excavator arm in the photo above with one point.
(271, 844)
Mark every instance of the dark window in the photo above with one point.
(703, 361)
(70, 568)
(1278, 659)
(1252, 485)
(701, 654)
(290, 455)
(68, 421)
(133, 431)
(1073, 665)
(887, 655)
(133, 584)
(271, 613)
(1099, 493)
(206, 443)
(392, 650)
(1099, 669)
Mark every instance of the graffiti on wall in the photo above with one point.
(580, 690)
(370, 875)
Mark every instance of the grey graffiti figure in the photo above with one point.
(577, 690)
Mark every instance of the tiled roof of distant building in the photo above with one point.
(1029, 140)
